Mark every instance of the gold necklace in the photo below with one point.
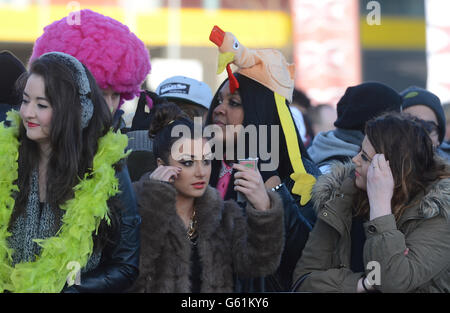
(192, 229)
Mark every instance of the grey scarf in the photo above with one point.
(37, 222)
(34, 223)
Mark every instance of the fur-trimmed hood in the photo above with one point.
(327, 187)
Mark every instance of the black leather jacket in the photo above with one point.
(119, 266)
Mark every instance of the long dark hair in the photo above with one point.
(260, 109)
(72, 148)
(406, 144)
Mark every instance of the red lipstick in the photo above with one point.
(31, 125)
(199, 185)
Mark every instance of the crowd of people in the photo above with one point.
(246, 189)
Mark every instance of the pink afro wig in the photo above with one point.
(116, 57)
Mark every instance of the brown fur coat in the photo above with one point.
(228, 241)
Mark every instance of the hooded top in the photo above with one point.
(335, 145)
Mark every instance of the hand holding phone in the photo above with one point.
(250, 185)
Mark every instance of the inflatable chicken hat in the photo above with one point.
(269, 68)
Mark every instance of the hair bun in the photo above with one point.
(163, 115)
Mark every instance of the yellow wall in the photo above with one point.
(255, 28)
(394, 33)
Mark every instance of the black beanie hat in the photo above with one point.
(12, 68)
(363, 102)
(418, 96)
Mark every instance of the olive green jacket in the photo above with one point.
(413, 253)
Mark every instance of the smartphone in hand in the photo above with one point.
(251, 163)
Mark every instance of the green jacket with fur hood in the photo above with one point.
(413, 253)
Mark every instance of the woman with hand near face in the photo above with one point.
(383, 222)
(192, 240)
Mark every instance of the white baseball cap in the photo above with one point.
(185, 88)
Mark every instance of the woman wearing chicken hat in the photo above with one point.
(117, 58)
(258, 95)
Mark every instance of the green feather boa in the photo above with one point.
(73, 242)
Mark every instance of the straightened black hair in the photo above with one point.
(260, 108)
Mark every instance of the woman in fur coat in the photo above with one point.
(193, 241)
(383, 222)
